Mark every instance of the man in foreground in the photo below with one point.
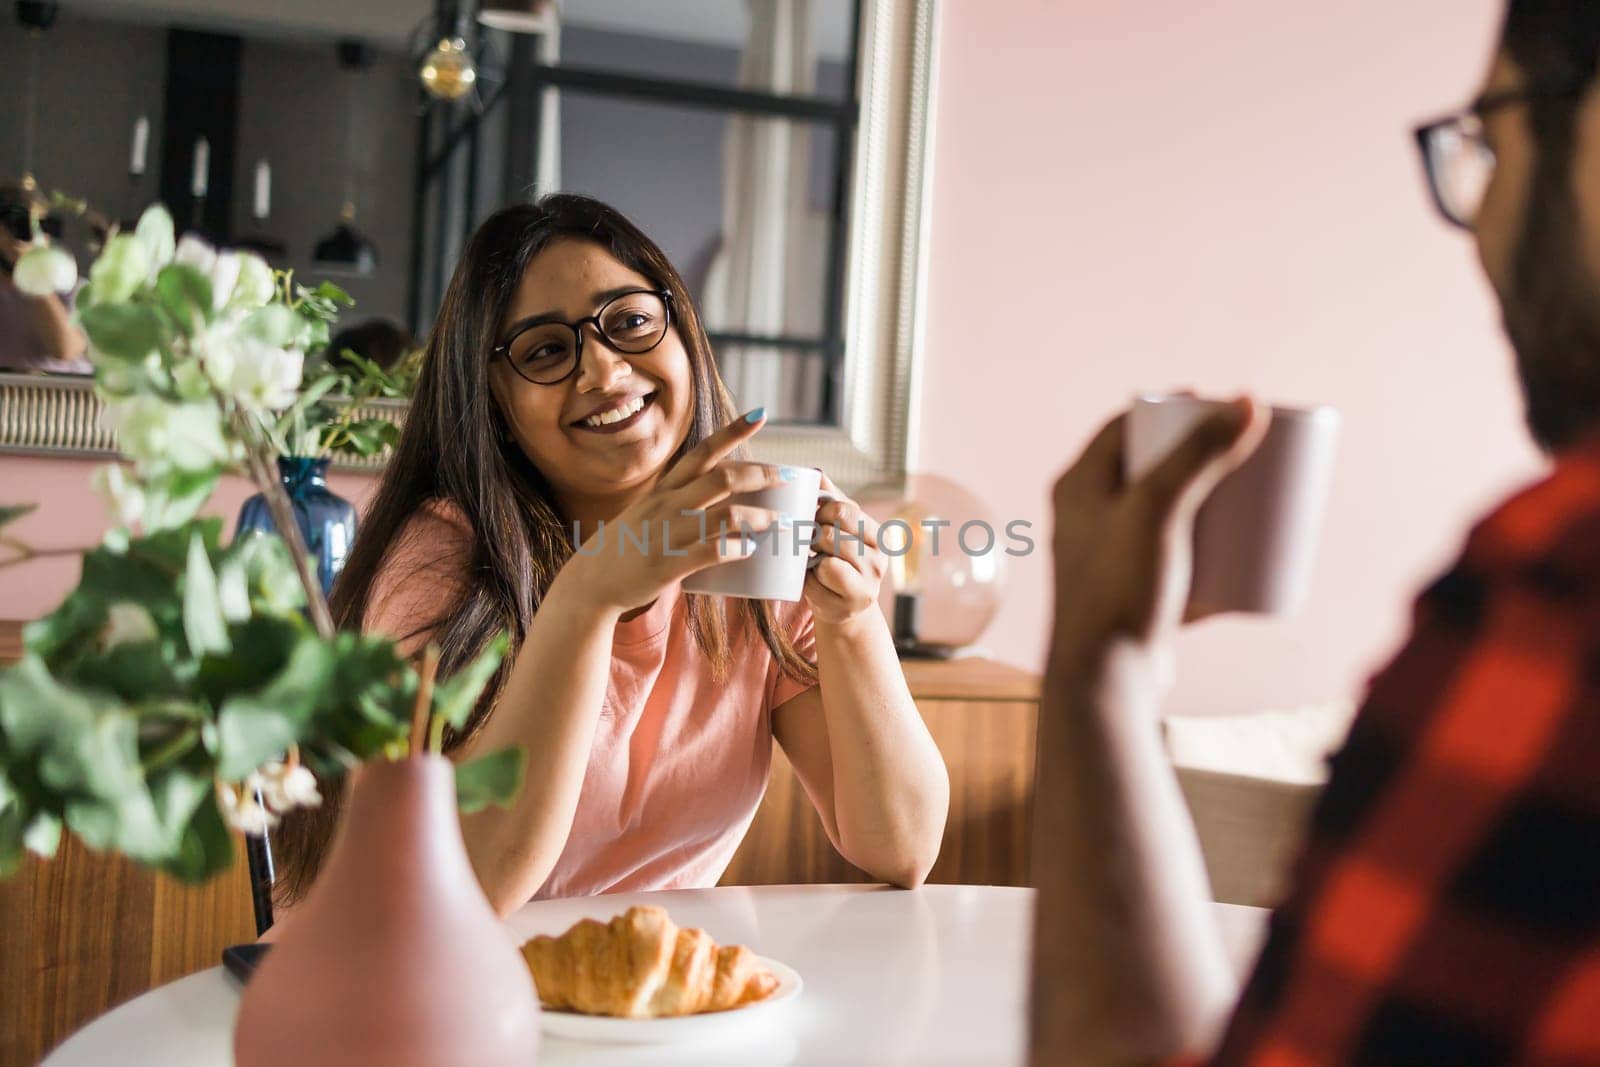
(1447, 908)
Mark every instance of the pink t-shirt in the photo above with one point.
(680, 759)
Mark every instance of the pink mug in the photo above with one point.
(1255, 539)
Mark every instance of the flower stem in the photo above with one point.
(24, 553)
(421, 710)
(283, 518)
(172, 750)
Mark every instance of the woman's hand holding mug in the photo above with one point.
(685, 523)
(847, 571)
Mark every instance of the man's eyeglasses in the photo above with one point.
(1457, 157)
(547, 353)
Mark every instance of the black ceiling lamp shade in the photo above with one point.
(345, 249)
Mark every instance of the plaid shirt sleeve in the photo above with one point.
(1447, 907)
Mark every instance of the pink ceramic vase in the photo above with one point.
(395, 957)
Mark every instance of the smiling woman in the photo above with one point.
(569, 384)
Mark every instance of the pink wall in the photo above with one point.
(70, 515)
(1223, 195)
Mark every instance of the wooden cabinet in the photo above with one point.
(982, 715)
(84, 932)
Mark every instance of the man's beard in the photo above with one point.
(1553, 315)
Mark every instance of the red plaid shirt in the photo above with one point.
(1447, 908)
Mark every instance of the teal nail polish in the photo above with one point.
(788, 474)
(756, 416)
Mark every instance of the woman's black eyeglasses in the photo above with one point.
(1457, 157)
(547, 352)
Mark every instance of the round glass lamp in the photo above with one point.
(946, 558)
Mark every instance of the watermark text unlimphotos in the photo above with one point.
(788, 537)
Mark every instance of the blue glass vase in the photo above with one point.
(327, 521)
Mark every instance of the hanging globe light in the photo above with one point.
(448, 72)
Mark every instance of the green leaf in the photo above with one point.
(11, 512)
(185, 294)
(37, 711)
(329, 291)
(262, 646)
(203, 623)
(372, 677)
(128, 331)
(205, 849)
(119, 376)
(492, 779)
(269, 569)
(315, 337)
(11, 840)
(177, 794)
(76, 622)
(455, 697)
(255, 727)
(138, 671)
(98, 770)
(93, 820)
(274, 325)
(176, 498)
(250, 735)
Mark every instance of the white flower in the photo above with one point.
(256, 285)
(265, 377)
(153, 432)
(126, 623)
(45, 271)
(220, 269)
(124, 265)
(241, 809)
(191, 251)
(122, 495)
(155, 232)
(224, 276)
(287, 788)
(218, 349)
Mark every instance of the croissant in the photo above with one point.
(641, 965)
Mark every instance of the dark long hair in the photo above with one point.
(454, 450)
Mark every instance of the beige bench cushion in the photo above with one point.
(1250, 782)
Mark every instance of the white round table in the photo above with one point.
(937, 975)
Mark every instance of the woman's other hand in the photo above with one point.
(848, 573)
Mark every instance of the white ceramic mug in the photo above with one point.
(1255, 539)
(776, 570)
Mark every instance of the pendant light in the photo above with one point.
(345, 250)
(35, 17)
(448, 72)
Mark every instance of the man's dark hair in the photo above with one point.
(14, 212)
(382, 341)
(1551, 312)
(1556, 43)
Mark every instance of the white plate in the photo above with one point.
(610, 1030)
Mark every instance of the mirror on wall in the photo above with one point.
(772, 147)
